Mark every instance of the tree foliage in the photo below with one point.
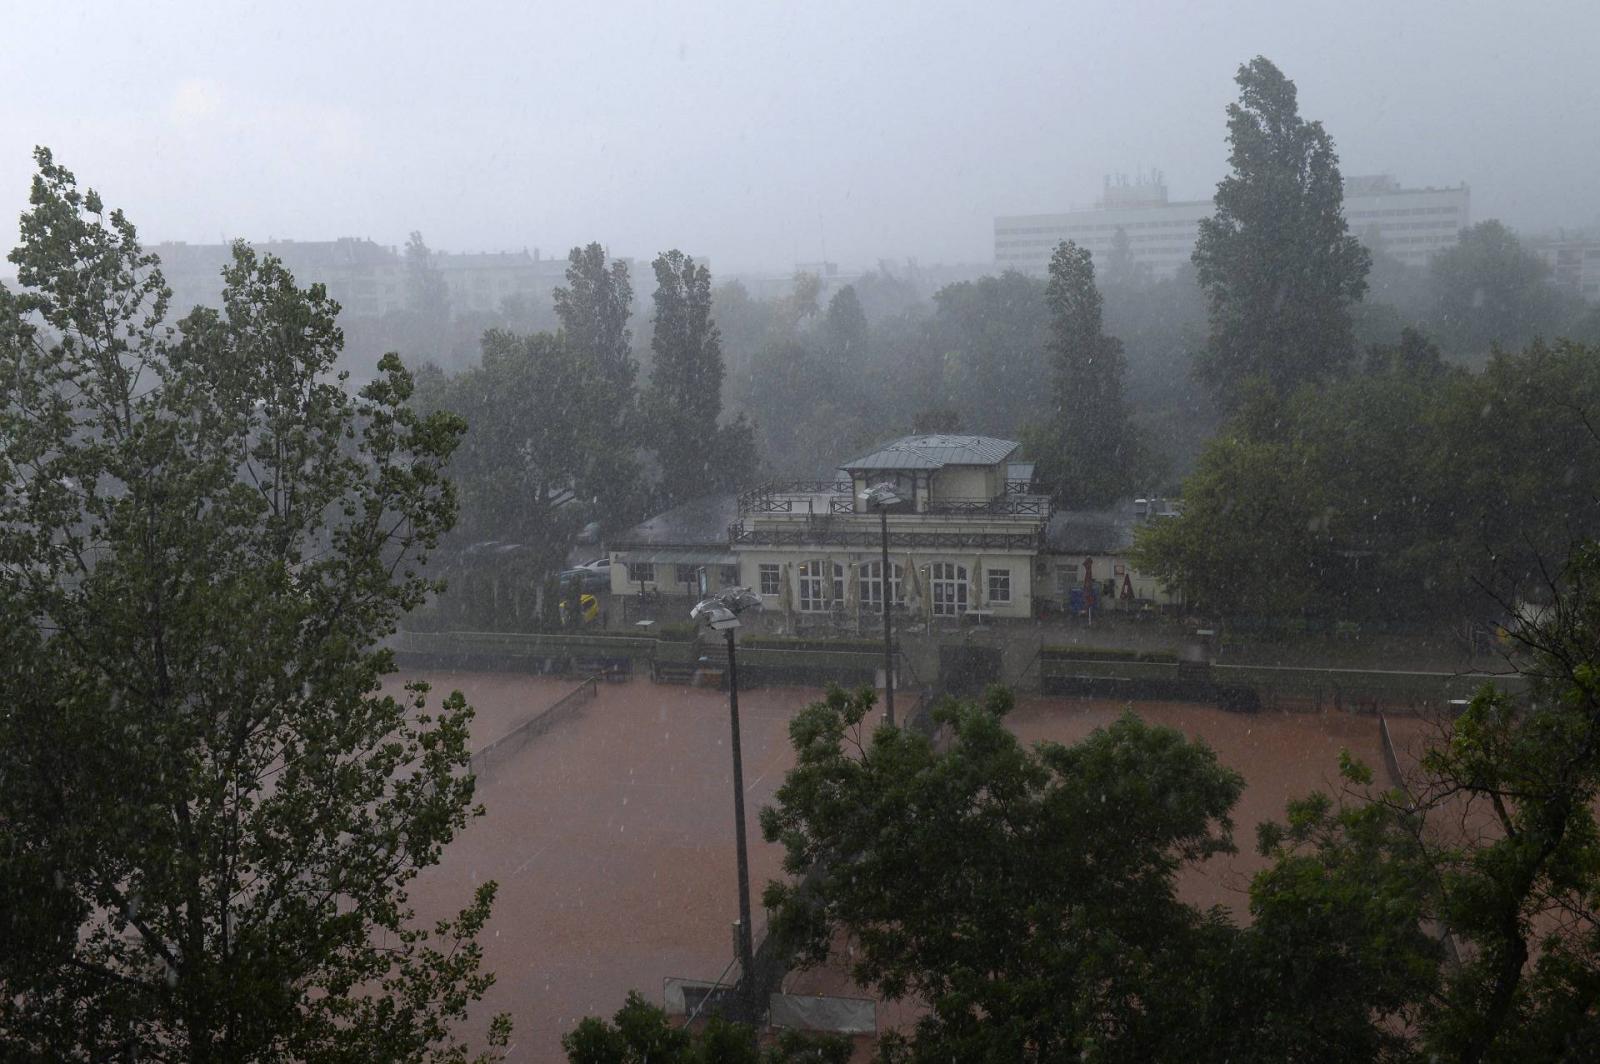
(530, 445)
(1279, 267)
(994, 332)
(593, 309)
(1449, 915)
(209, 812)
(1494, 842)
(697, 455)
(1489, 290)
(1040, 927)
(1089, 451)
(1396, 494)
(640, 1033)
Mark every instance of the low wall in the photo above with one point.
(1250, 687)
(557, 653)
(610, 657)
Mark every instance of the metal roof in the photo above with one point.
(934, 452)
(701, 522)
(1090, 531)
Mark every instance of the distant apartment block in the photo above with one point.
(1409, 223)
(1574, 262)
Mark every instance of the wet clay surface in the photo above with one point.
(611, 836)
(612, 840)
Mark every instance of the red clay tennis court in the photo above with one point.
(611, 837)
(611, 834)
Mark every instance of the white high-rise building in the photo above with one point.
(1409, 223)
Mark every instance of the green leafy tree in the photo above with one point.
(1488, 289)
(994, 331)
(593, 309)
(209, 812)
(1251, 538)
(1041, 927)
(529, 451)
(1445, 483)
(640, 1033)
(1494, 842)
(845, 333)
(1089, 451)
(1278, 264)
(1343, 950)
(696, 455)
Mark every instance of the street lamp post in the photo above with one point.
(883, 496)
(721, 612)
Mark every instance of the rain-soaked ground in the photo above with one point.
(611, 836)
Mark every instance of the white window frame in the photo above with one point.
(1000, 592)
(947, 585)
(810, 585)
(771, 570)
(871, 585)
(641, 572)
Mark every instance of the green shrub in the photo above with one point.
(1075, 653)
(677, 631)
(781, 642)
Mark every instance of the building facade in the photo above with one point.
(1574, 262)
(1408, 223)
(969, 537)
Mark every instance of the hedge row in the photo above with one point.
(1077, 653)
(779, 642)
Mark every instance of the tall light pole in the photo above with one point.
(883, 496)
(721, 611)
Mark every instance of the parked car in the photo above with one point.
(587, 579)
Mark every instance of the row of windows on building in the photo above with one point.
(1399, 212)
(1137, 243)
(688, 575)
(820, 586)
(1089, 227)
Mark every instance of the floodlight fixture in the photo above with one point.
(730, 601)
(882, 495)
(721, 611)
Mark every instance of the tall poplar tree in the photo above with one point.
(697, 456)
(1278, 263)
(593, 309)
(1090, 452)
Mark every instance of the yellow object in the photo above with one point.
(588, 604)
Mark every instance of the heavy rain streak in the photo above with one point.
(772, 533)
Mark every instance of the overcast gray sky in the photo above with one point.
(760, 133)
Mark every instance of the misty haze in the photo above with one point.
(759, 534)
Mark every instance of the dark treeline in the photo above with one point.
(1370, 469)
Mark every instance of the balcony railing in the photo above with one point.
(825, 533)
(780, 496)
(1004, 505)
